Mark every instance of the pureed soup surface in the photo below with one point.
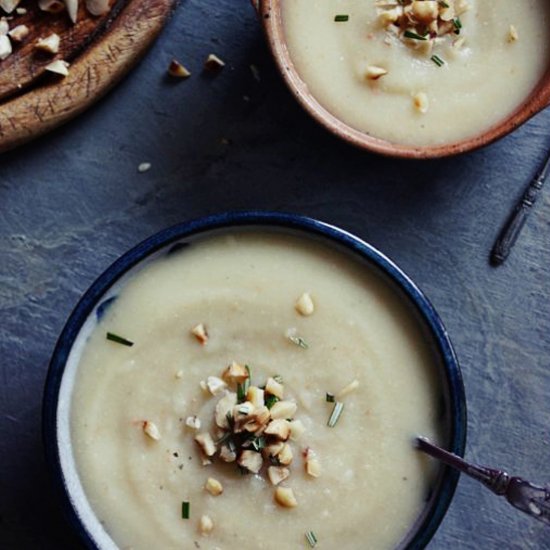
(436, 90)
(243, 288)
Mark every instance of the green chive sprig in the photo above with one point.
(311, 539)
(437, 60)
(185, 510)
(336, 413)
(342, 18)
(119, 339)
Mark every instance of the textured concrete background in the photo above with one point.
(73, 201)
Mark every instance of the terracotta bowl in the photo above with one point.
(271, 18)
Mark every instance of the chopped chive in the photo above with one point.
(414, 35)
(258, 443)
(311, 538)
(336, 413)
(119, 339)
(278, 378)
(443, 4)
(457, 24)
(242, 389)
(330, 397)
(437, 60)
(299, 341)
(270, 400)
(341, 18)
(185, 510)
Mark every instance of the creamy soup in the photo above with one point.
(298, 314)
(424, 77)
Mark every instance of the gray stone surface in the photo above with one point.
(73, 201)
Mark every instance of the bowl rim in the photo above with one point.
(269, 12)
(311, 227)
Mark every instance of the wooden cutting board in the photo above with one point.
(101, 50)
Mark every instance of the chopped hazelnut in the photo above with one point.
(206, 443)
(227, 455)
(274, 388)
(200, 333)
(297, 429)
(224, 407)
(374, 73)
(235, 373)
(177, 70)
(283, 409)
(5, 47)
(285, 455)
(59, 66)
(19, 33)
(193, 422)
(251, 460)
(255, 396)
(213, 486)
(312, 464)
(144, 167)
(513, 35)
(304, 305)
(206, 525)
(285, 497)
(213, 63)
(49, 44)
(425, 10)
(351, 387)
(421, 102)
(215, 385)
(151, 430)
(279, 428)
(276, 474)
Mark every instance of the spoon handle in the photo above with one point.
(511, 230)
(495, 480)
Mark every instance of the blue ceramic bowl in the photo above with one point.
(90, 308)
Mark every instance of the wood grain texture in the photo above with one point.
(101, 51)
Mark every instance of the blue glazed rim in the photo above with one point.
(425, 528)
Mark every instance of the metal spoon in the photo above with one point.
(525, 496)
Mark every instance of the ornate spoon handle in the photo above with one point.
(511, 230)
(525, 496)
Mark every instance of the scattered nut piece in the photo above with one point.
(271, 451)
(235, 373)
(200, 333)
(285, 497)
(425, 11)
(206, 525)
(5, 47)
(312, 464)
(351, 387)
(513, 35)
(144, 167)
(213, 63)
(193, 422)
(283, 409)
(304, 305)
(177, 70)
(179, 374)
(279, 428)
(374, 73)
(50, 44)
(421, 102)
(276, 474)
(213, 486)
(203, 386)
(4, 26)
(21, 11)
(97, 7)
(256, 421)
(206, 443)
(251, 460)
(59, 66)
(151, 430)
(215, 385)
(274, 388)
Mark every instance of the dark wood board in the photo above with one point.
(101, 50)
